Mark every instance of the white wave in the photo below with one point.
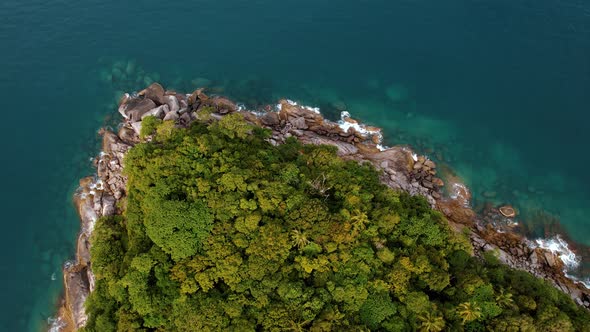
(53, 276)
(457, 189)
(585, 282)
(98, 185)
(558, 246)
(313, 109)
(257, 113)
(345, 125)
(294, 103)
(56, 324)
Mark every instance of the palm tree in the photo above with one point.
(299, 239)
(469, 311)
(298, 326)
(431, 322)
(359, 220)
(504, 300)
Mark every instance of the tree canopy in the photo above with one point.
(223, 231)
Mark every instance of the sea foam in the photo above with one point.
(360, 128)
(56, 324)
(559, 247)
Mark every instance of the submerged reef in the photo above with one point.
(399, 168)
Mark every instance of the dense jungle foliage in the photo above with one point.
(223, 231)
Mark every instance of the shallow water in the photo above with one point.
(498, 90)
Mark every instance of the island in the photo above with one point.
(205, 216)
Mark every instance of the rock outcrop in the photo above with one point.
(400, 168)
(96, 197)
(511, 248)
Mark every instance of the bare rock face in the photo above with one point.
(220, 104)
(127, 134)
(195, 98)
(397, 158)
(298, 123)
(154, 92)
(171, 116)
(83, 249)
(76, 292)
(159, 112)
(344, 149)
(134, 108)
(96, 197)
(173, 103)
(136, 127)
(270, 119)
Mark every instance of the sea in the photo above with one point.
(499, 91)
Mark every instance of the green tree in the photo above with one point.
(178, 227)
(469, 311)
(431, 322)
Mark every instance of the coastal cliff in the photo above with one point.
(401, 169)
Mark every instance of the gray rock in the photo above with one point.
(87, 214)
(270, 119)
(185, 118)
(76, 288)
(344, 149)
(135, 108)
(429, 163)
(154, 92)
(136, 126)
(118, 194)
(102, 169)
(159, 112)
(171, 116)
(223, 105)
(173, 104)
(534, 258)
(83, 249)
(298, 123)
(550, 258)
(297, 132)
(127, 134)
(108, 205)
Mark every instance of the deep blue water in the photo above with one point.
(500, 89)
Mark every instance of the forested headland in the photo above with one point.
(223, 231)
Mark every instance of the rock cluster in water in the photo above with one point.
(401, 169)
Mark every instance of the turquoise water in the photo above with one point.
(499, 90)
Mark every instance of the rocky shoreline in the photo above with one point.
(402, 169)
